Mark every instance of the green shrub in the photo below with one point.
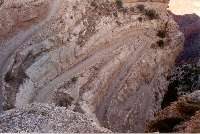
(74, 79)
(93, 4)
(140, 7)
(115, 14)
(161, 33)
(132, 9)
(151, 14)
(8, 77)
(1, 2)
(123, 10)
(161, 43)
(119, 3)
(140, 19)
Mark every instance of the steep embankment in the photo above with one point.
(95, 57)
(181, 102)
(190, 26)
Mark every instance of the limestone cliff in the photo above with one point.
(97, 57)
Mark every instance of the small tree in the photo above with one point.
(74, 79)
(140, 19)
(119, 3)
(161, 43)
(151, 14)
(140, 7)
(161, 33)
(1, 2)
(94, 4)
(132, 9)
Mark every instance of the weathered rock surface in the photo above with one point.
(181, 102)
(95, 58)
(180, 116)
(190, 26)
(46, 118)
(17, 15)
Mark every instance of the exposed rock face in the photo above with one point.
(180, 116)
(95, 58)
(190, 26)
(181, 102)
(17, 15)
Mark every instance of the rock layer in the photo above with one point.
(190, 26)
(96, 58)
(181, 116)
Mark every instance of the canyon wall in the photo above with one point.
(180, 106)
(96, 58)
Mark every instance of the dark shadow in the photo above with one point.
(165, 125)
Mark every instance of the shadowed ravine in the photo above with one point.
(190, 26)
(191, 52)
(181, 104)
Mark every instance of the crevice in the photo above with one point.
(170, 96)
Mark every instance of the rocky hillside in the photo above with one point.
(181, 116)
(105, 61)
(180, 106)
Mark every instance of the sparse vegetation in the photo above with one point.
(64, 102)
(8, 77)
(132, 9)
(186, 77)
(161, 43)
(164, 126)
(151, 14)
(63, 99)
(115, 14)
(123, 10)
(140, 19)
(94, 4)
(184, 80)
(140, 7)
(1, 2)
(118, 23)
(74, 79)
(188, 108)
(161, 33)
(119, 3)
